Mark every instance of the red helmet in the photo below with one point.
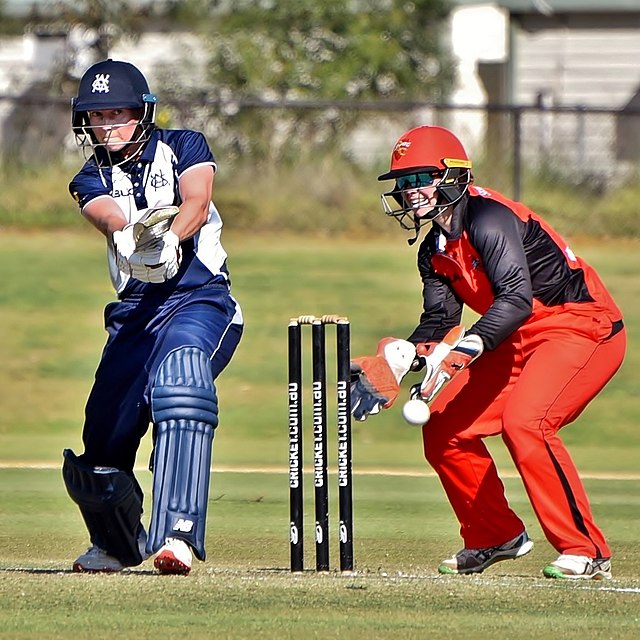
(427, 150)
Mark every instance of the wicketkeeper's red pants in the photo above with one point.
(525, 390)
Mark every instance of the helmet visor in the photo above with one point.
(417, 180)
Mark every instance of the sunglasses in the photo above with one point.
(417, 180)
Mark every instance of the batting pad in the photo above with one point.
(184, 409)
(109, 504)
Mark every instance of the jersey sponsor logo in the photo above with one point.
(184, 525)
(122, 193)
(100, 83)
(158, 180)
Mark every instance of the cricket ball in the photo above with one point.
(416, 412)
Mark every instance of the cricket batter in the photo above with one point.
(171, 332)
(548, 338)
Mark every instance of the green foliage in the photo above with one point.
(108, 19)
(331, 49)
(576, 210)
(326, 195)
(308, 50)
(37, 197)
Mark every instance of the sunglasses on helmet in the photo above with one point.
(417, 180)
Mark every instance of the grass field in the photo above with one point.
(51, 300)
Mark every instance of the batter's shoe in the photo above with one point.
(96, 560)
(174, 558)
(578, 568)
(477, 560)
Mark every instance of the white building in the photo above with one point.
(554, 54)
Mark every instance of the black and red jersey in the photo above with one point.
(507, 264)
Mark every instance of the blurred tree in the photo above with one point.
(107, 19)
(36, 127)
(293, 50)
(332, 49)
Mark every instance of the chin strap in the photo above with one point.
(416, 228)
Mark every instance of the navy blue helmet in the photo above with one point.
(112, 84)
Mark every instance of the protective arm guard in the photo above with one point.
(110, 506)
(184, 409)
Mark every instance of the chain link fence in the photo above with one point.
(581, 145)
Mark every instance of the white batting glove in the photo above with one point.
(158, 263)
(124, 245)
(152, 226)
(150, 254)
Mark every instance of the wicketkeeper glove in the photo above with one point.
(444, 360)
(159, 262)
(375, 380)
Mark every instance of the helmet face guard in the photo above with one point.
(112, 84)
(419, 157)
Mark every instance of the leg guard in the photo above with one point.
(110, 506)
(184, 408)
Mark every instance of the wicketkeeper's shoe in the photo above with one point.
(572, 567)
(96, 560)
(477, 560)
(174, 558)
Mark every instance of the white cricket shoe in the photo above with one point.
(572, 567)
(174, 558)
(97, 560)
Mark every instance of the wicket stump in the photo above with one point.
(320, 475)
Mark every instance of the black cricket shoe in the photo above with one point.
(477, 560)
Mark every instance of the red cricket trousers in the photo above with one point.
(534, 383)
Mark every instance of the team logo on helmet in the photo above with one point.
(101, 83)
(401, 148)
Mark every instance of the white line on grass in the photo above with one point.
(409, 473)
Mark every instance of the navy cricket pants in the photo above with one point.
(142, 331)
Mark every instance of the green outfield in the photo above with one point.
(54, 288)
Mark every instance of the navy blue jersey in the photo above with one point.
(151, 180)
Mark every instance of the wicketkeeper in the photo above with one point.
(173, 329)
(549, 337)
